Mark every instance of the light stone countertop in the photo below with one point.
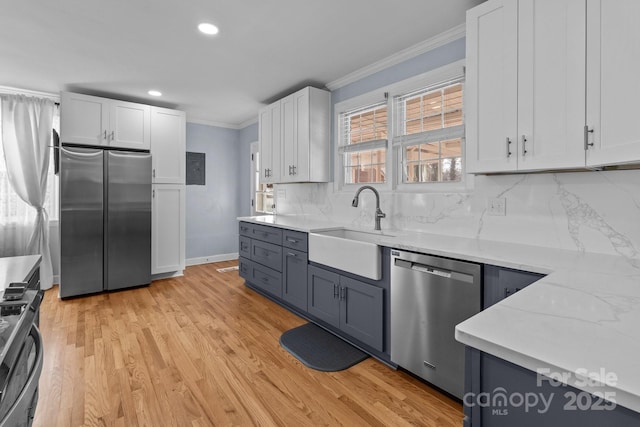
(581, 321)
(17, 269)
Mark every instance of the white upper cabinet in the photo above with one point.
(551, 82)
(91, 120)
(491, 88)
(269, 136)
(295, 138)
(613, 92)
(306, 136)
(525, 85)
(534, 67)
(168, 145)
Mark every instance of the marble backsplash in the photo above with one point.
(596, 211)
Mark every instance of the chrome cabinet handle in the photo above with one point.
(292, 254)
(105, 134)
(524, 145)
(113, 135)
(289, 239)
(508, 147)
(587, 131)
(294, 169)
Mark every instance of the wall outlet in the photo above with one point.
(497, 206)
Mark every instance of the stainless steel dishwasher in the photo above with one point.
(429, 296)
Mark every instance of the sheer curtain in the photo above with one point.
(26, 138)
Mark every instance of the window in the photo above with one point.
(262, 201)
(408, 135)
(363, 144)
(429, 132)
(12, 208)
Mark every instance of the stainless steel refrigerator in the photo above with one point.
(105, 220)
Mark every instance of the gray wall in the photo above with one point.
(212, 209)
(438, 57)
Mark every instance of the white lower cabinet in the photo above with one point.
(168, 228)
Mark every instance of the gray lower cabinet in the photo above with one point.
(352, 306)
(500, 282)
(260, 262)
(494, 387)
(275, 261)
(509, 395)
(324, 291)
(294, 278)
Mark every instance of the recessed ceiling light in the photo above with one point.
(207, 28)
(155, 93)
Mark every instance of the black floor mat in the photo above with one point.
(319, 349)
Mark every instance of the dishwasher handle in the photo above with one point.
(427, 269)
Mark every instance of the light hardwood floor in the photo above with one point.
(202, 350)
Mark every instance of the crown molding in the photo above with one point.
(206, 122)
(249, 122)
(441, 39)
(236, 126)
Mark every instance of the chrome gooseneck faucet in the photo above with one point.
(379, 213)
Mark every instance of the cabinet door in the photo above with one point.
(492, 87)
(361, 311)
(294, 269)
(269, 135)
(168, 228)
(168, 145)
(500, 283)
(551, 82)
(323, 292)
(613, 61)
(130, 125)
(289, 148)
(84, 119)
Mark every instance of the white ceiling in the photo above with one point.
(265, 49)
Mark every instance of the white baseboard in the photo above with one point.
(212, 258)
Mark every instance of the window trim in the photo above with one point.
(449, 72)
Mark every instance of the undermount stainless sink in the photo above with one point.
(353, 251)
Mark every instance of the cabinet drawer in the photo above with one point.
(294, 240)
(266, 234)
(244, 247)
(244, 268)
(267, 280)
(266, 254)
(245, 229)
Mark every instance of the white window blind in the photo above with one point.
(363, 144)
(429, 130)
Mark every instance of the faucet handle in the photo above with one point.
(380, 214)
